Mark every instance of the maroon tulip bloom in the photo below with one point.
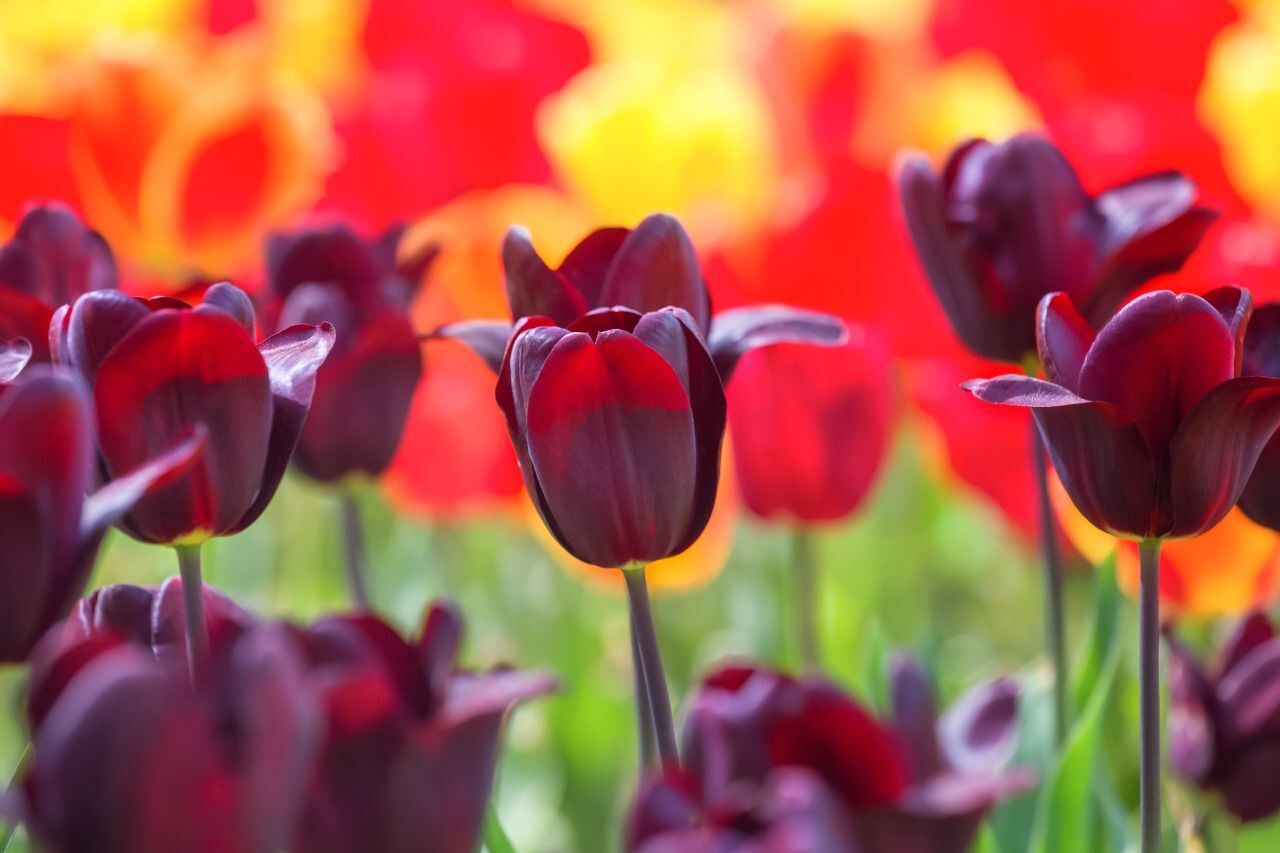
(592, 406)
(1224, 719)
(52, 260)
(160, 368)
(363, 391)
(810, 427)
(51, 531)
(130, 756)
(1004, 224)
(412, 741)
(1261, 497)
(1149, 423)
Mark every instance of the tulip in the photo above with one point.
(412, 741)
(160, 368)
(1224, 719)
(51, 530)
(1153, 432)
(1261, 497)
(51, 260)
(810, 427)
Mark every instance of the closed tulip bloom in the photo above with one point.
(1224, 719)
(1261, 497)
(810, 427)
(1149, 424)
(1004, 224)
(160, 368)
(51, 260)
(363, 391)
(617, 422)
(51, 530)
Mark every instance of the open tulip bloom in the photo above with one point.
(1153, 432)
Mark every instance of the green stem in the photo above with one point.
(353, 544)
(1055, 623)
(1149, 683)
(495, 837)
(806, 599)
(644, 715)
(193, 607)
(651, 661)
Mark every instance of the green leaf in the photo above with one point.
(1102, 634)
(495, 837)
(986, 841)
(870, 678)
(1259, 837)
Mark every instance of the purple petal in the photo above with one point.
(915, 715)
(1014, 389)
(478, 695)
(1248, 788)
(1249, 633)
(98, 321)
(293, 357)
(1063, 337)
(1190, 724)
(980, 731)
(438, 646)
(533, 289)
(486, 338)
(1215, 448)
(55, 258)
(328, 254)
(231, 300)
(588, 263)
(738, 330)
(1249, 695)
(657, 266)
(1262, 342)
(1236, 307)
(14, 356)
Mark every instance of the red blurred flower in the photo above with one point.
(50, 529)
(160, 368)
(810, 426)
(364, 388)
(51, 260)
(1149, 424)
(1224, 720)
(1004, 224)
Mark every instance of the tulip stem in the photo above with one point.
(193, 607)
(353, 542)
(1055, 628)
(806, 599)
(1149, 681)
(651, 663)
(644, 714)
(18, 772)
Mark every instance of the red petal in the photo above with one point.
(656, 266)
(1063, 337)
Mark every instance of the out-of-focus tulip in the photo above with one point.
(51, 260)
(1224, 719)
(133, 757)
(160, 368)
(50, 529)
(412, 740)
(590, 407)
(1261, 497)
(364, 388)
(810, 427)
(1004, 224)
(1149, 423)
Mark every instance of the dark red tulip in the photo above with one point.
(1224, 719)
(412, 741)
(810, 427)
(363, 391)
(51, 261)
(160, 368)
(1004, 224)
(130, 756)
(51, 530)
(592, 406)
(646, 268)
(1149, 424)
(1261, 497)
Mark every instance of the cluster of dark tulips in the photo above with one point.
(170, 718)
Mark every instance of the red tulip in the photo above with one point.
(159, 368)
(1004, 224)
(51, 260)
(50, 529)
(412, 741)
(810, 427)
(1149, 424)
(365, 386)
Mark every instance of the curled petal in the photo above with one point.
(486, 338)
(1063, 337)
(1215, 448)
(1236, 307)
(14, 355)
(231, 300)
(533, 288)
(293, 357)
(738, 330)
(656, 266)
(97, 322)
(980, 731)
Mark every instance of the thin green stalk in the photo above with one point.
(651, 660)
(1149, 683)
(1055, 621)
(806, 599)
(644, 715)
(353, 545)
(193, 607)
(12, 830)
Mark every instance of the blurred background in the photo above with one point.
(187, 131)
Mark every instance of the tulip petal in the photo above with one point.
(1249, 790)
(1262, 342)
(914, 715)
(588, 263)
(97, 322)
(599, 413)
(438, 645)
(54, 258)
(1191, 736)
(23, 316)
(225, 620)
(657, 266)
(1249, 694)
(979, 733)
(231, 300)
(1063, 337)
(1236, 307)
(1156, 359)
(26, 570)
(14, 355)
(1215, 449)
(486, 338)
(293, 356)
(1249, 633)
(738, 330)
(533, 289)
(475, 695)
(331, 254)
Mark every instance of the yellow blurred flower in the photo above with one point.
(1232, 568)
(878, 18)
